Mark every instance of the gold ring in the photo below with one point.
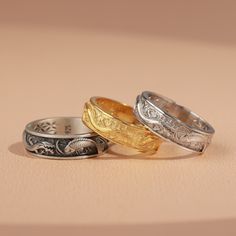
(117, 123)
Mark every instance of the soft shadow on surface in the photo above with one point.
(204, 228)
(219, 150)
(209, 21)
(167, 151)
(117, 152)
(18, 149)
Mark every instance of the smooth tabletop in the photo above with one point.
(49, 71)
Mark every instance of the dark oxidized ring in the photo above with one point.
(62, 138)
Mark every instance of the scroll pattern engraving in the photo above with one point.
(60, 147)
(170, 128)
(119, 132)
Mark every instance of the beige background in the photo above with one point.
(55, 55)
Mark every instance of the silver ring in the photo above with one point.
(173, 122)
(62, 138)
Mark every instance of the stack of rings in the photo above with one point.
(153, 119)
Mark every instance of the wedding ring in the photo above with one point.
(173, 122)
(62, 138)
(116, 122)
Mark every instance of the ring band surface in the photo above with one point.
(116, 122)
(173, 122)
(62, 138)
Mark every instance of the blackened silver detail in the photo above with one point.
(62, 138)
(173, 122)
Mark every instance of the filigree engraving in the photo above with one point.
(62, 147)
(168, 127)
(119, 132)
(39, 146)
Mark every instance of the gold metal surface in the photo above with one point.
(116, 122)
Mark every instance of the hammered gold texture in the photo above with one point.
(117, 131)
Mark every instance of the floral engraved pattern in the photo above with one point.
(46, 127)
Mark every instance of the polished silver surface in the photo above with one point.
(173, 122)
(62, 138)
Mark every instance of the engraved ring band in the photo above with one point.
(173, 122)
(62, 138)
(116, 122)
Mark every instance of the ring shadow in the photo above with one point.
(170, 151)
(18, 149)
(167, 152)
